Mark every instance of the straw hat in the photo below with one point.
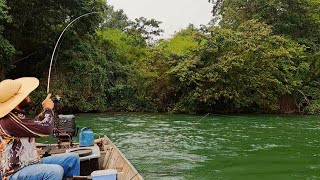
(13, 92)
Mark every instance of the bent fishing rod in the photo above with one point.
(55, 47)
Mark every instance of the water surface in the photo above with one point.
(247, 147)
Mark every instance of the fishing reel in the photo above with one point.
(56, 99)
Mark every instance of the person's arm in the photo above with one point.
(42, 125)
(17, 127)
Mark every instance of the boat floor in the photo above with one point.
(110, 158)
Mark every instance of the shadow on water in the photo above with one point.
(217, 147)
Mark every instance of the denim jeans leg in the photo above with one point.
(70, 162)
(39, 172)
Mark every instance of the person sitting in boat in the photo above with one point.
(19, 156)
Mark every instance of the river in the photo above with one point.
(172, 147)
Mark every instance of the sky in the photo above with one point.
(174, 14)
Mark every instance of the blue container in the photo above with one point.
(86, 137)
(109, 174)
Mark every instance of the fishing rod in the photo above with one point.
(55, 47)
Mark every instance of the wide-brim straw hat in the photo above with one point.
(13, 92)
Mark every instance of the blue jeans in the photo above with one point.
(54, 167)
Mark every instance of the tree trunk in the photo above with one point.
(2, 73)
(288, 105)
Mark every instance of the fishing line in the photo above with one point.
(55, 47)
(202, 118)
(172, 143)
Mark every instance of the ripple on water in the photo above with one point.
(257, 147)
(135, 125)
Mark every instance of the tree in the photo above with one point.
(6, 49)
(81, 77)
(146, 29)
(298, 20)
(79, 68)
(115, 19)
(125, 87)
(243, 70)
(142, 30)
(36, 25)
(158, 63)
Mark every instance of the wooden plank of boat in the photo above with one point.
(110, 158)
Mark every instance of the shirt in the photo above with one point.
(17, 139)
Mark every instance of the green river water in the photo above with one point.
(215, 147)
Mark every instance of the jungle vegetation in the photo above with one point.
(256, 56)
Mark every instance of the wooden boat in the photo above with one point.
(109, 157)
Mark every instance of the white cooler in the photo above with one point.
(108, 174)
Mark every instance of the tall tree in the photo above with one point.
(115, 19)
(147, 29)
(298, 19)
(36, 25)
(159, 62)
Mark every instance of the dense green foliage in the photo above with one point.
(6, 49)
(297, 20)
(248, 69)
(257, 56)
